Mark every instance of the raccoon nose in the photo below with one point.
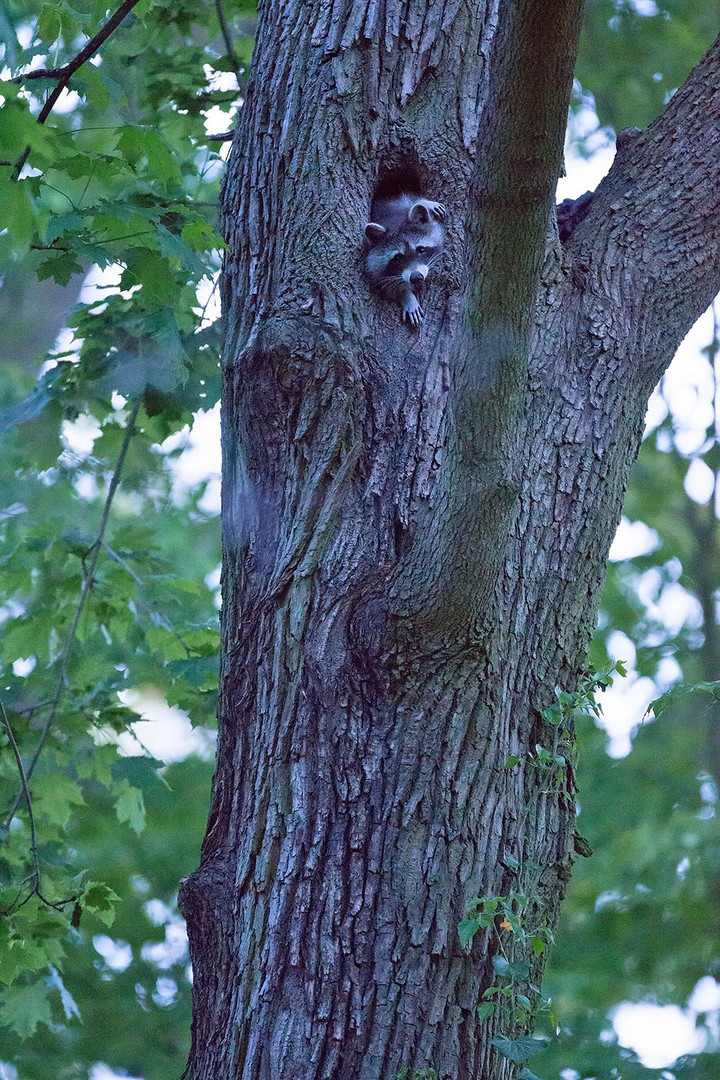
(416, 277)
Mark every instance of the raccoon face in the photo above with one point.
(406, 256)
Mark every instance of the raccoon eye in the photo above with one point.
(423, 250)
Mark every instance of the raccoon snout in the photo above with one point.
(416, 277)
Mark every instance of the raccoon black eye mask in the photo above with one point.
(406, 237)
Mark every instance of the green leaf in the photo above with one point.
(24, 1007)
(60, 224)
(99, 899)
(517, 1050)
(17, 207)
(500, 964)
(21, 953)
(174, 246)
(200, 236)
(60, 267)
(144, 148)
(56, 796)
(520, 969)
(154, 273)
(484, 1010)
(130, 807)
(467, 929)
(526, 1074)
(49, 23)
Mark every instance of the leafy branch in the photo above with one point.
(87, 583)
(34, 877)
(65, 73)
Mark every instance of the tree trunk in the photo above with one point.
(415, 532)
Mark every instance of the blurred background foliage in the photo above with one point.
(110, 550)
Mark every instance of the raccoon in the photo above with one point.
(406, 237)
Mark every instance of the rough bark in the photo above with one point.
(415, 526)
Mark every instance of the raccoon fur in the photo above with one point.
(406, 237)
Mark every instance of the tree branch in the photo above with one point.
(65, 73)
(25, 792)
(521, 151)
(511, 197)
(654, 221)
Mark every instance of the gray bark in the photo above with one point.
(415, 525)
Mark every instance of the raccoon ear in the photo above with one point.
(374, 232)
(419, 213)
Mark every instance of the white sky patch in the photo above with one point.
(102, 282)
(584, 174)
(220, 80)
(620, 647)
(705, 998)
(699, 482)
(209, 167)
(212, 580)
(23, 666)
(165, 731)
(172, 950)
(101, 1071)
(200, 460)
(657, 410)
(165, 991)
(659, 1034)
(208, 296)
(633, 538)
(688, 387)
(668, 672)
(79, 435)
(624, 704)
(67, 101)
(116, 954)
(158, 913)
(218, 120)
(25, 34)
(676, 607)
(86, 487)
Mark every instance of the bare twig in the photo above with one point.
(35, 876)
(225, 137)
(87, 583)
(229, 44)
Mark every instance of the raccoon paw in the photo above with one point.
(412, 312)
(437, 210)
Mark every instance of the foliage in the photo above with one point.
(635, 53)
(102, 562)
(640, 922)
